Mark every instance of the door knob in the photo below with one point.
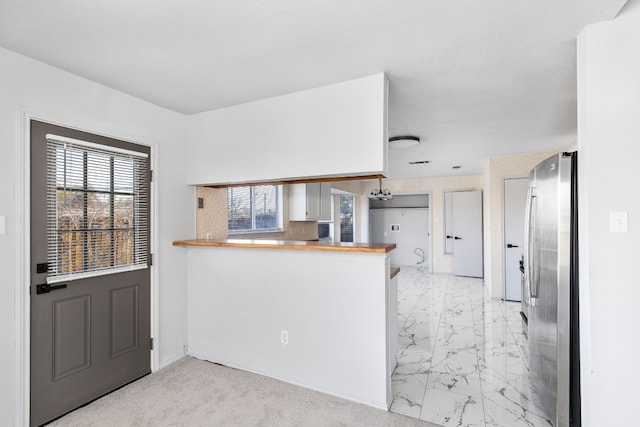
(449, 237)
(510, 245)
(458, 238)
(42, 267)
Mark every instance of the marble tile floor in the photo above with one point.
(461, 355)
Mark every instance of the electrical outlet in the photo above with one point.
(284, 337)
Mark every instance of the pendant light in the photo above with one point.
(380, 194)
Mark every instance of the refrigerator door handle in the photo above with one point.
(527, 248)
(531, 252)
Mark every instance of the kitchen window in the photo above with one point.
(254, 209)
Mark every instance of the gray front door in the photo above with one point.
(90, 280)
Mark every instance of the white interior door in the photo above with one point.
(515, 198)
(467, 232)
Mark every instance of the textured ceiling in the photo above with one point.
(472, 79)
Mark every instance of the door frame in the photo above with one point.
(503, 239)
(335, 203)
(22, 302)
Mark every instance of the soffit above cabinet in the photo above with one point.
(335, 131)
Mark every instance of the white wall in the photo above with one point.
(362, 223)
(297, 135)
(609, 149)
(81, 103)
(487, 222)
(333, 305)
(412, 234)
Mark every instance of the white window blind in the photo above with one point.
(97, 209)
(256, 208)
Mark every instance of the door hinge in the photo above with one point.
(151, 343)
(150, 259)
(150, 175)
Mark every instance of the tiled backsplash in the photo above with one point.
(302, 230)
(212, 218)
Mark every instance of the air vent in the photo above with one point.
(420, 162)
(456, 167)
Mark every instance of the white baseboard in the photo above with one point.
(171, 360)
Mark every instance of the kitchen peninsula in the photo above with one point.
(315, 314)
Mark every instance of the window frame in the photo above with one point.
(140, 194)
(352, 217)
(279, 211)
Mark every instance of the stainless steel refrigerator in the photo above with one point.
(551, 288)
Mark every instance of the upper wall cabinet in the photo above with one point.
(310, 202)
(332, 131)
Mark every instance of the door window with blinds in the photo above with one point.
(254, 209)
(97, 209)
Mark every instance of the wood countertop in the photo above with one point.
(295, 245)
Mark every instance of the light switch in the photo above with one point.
(618, 222)
(3, 225)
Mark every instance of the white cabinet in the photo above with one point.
(392, 322)
(310, 202)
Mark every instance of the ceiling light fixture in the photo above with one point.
(405, 141)
(381, 194)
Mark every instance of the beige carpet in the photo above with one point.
(193, 392)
